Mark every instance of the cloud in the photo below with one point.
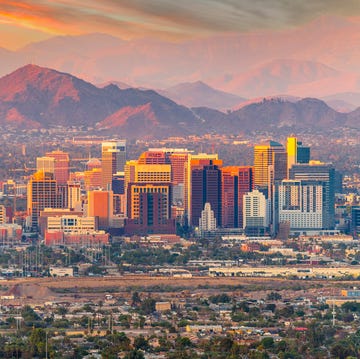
(168, 18)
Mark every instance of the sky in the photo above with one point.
(23, 22)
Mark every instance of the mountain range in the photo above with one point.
(37, 97)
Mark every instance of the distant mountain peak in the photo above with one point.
(58, 85)
(200, 94)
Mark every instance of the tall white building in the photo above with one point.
(256, 211)
(74, 196)
(300, 203)
(207, 221)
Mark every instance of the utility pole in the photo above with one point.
(46, 344)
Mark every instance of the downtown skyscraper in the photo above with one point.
(113, 158)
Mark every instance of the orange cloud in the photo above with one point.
(166, 18)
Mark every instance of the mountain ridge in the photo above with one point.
(36, 97)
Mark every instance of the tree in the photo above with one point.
(141, 343)
(135, 299)
(120, 340)
(273, 296)
(267, 343)
(37, 341)
(61, 310)
(134, 354)
(125, 320)
(220, 298)
(183, 342)
(315, 335)
(271, 306)
(286, 312)
(341, 350)
(256, 354)
(148, 306)
(351, 307)
(29, 314)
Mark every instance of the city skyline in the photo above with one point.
(188, 171)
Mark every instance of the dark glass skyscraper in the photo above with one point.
(303, 153)
(205, 187)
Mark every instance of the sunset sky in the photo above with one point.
(22, 22)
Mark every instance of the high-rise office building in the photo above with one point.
(118, 183)
(148, 189)
(324, 173)
(136, 172)
(113, 158)
(46, 164)
(149, 208)
(118, 187)
(152, 173)
(93, 179)
(178, 161)
(236, 181)
(303, 153)
(277, 171)
(296, 152)
(291, 149)
(100, 205)
(355, 221)
(205, 188)
(256, 213)
(153, 157)
(207, 221)
(196, 162)
(177, 158)
(61, 166)
(63, 195)
(300, 203)
(74, 196)
(2, 214)
(263, 158)
(41, 193)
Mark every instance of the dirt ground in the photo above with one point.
(41, 290)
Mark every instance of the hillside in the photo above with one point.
(34, 97)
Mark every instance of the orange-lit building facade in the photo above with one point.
(61, 166)
(100, 205)
(42, 193)
(236, 181)
(93, 179)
